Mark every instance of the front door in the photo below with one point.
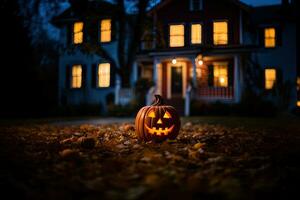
(176, 81)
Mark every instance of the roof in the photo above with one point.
(163, 3)
(82, 8)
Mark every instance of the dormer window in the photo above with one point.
(78, 32)
(105, 33)
(196, 5)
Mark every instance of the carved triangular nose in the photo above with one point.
(159, 121)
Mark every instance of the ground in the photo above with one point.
(212, 158)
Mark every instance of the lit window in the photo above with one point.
(176, 35)
(76, 76)
(298, 103)
(270, 37)
(220, 33)
(221, 75)
(78, 33)
(196, 33)
(105, 30)
(270, 78)
(298, 83)
(104, 75)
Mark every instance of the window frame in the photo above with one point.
(213, 31)
(98, 76)
(265, 78)
(275, 37)
(73, 32)
(71, 77)
(100, 30)
(169, 35)
(201, 42)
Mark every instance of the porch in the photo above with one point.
(208, 78)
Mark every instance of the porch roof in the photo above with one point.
(205, 50)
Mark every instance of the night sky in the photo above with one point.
(261, 2)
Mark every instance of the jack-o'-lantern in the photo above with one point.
(157, 122)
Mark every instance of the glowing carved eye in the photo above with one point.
(151, 114)
(167, 115)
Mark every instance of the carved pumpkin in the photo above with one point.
(157, 122)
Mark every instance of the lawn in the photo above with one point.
(212, 158)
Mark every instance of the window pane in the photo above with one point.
(270, 78)
(76, 76)
(270, 37)
(220, 75)
(105, 30)
(196, 33)
(220, 33)
(78, 32)
(176, 35)
(104, 75)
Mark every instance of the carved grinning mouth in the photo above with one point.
(159, 131)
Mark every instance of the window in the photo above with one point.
(196, 5)
(270, 37)
(104, 75)
(78, 33)
(76, 76)
(270, 78)
(176, 35)
(196, 34)
(220, 75)
(220, 33)
(105, 33)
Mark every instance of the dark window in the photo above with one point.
(196, 5)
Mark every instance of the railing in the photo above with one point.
(215, 92)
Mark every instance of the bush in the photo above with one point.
(77, 110)
(122, 111)
(204, 108)
(254, 105)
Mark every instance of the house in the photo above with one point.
(209, 50)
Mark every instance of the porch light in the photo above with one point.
(298, 103)
(174, 61)
(200, 62)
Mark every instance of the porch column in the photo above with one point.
(237, 79)
(134, 73)
(194, 72)
(157, 75)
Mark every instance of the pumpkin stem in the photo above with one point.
(158, 100)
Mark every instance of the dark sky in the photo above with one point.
(261, 2)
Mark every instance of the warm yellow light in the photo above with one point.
(222, 80)
(167, 115)
(78, 32)
(200, 62)
(176, 35)
(270, 37)
(76, 76)
(104, 75)
(220, 75)
(196, 33)
(105, 30)
(298, 103)
(270, 78)
(220, 33)
(174, 61)
(151, 114)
